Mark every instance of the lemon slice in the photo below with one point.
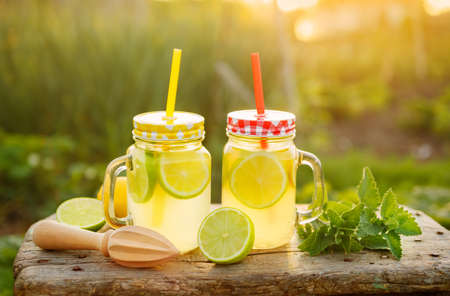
(143, 176)
(184, 174)
(83, 212)
(226, 235)
(259, 180)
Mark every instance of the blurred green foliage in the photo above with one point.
(38, 172)
(8, 249)
(429, 116)
(431, 199)
(84, 69)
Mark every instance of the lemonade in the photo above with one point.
(272, 214)
(169, 192)
(168, 177)
(259, 169)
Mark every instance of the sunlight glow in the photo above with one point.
(291, 5)
(255, 2)
(305, 30)
(436, 7)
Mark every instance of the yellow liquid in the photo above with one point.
(178, 219)
(275, 224)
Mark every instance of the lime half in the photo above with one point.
(259, 180)
(83, 212)
(184, 174)
(226, 235)
(143, 176)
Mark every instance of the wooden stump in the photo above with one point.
(424, 268)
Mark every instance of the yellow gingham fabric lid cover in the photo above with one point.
(155, 126)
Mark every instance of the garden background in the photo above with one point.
(369, 82)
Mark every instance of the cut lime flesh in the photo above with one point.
(83, 212)
(226, 235)
(259, 180)
(184, 174)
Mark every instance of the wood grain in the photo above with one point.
(424, 268)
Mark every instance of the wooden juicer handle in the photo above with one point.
(52, 235)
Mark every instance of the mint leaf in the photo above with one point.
(338, 237)
(354, 222)
(355, 245)
(368, 190)
(351, 218)
(389, 205)
(394, 243)
(317, 242)
(369, 224)
(351, 245)
(407, 223)
(391, 223)
(338, 207)
(396, 218)
(348, 197)
(334, 218)
(374, 242)
(304, 231)
(346, 243)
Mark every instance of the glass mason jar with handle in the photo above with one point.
(259, 170)
(168, 177)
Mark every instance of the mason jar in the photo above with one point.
(259, 170)
(168, 177)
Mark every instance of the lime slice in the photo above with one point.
(226, 235)
(184, 174)
(83, 212)
(143, 176)
(259, 180)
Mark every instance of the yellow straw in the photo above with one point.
(173, 82)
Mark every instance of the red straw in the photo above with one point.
(257, 83)
(258, 88)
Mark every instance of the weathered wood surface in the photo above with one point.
(424, 268)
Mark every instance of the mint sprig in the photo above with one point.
(363, 220)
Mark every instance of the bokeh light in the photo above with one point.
(437, 7)
(305, 30)
(291, 5)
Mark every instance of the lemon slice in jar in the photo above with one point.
(143, 176)
(259, 180)
(184, 174)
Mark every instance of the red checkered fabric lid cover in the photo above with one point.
(273, 124)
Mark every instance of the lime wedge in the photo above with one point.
(259, 180)
(83, 212)
(226, 235)
(184, 174)
(143, 176)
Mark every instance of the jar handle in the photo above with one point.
(114, 169)
(319, 198)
